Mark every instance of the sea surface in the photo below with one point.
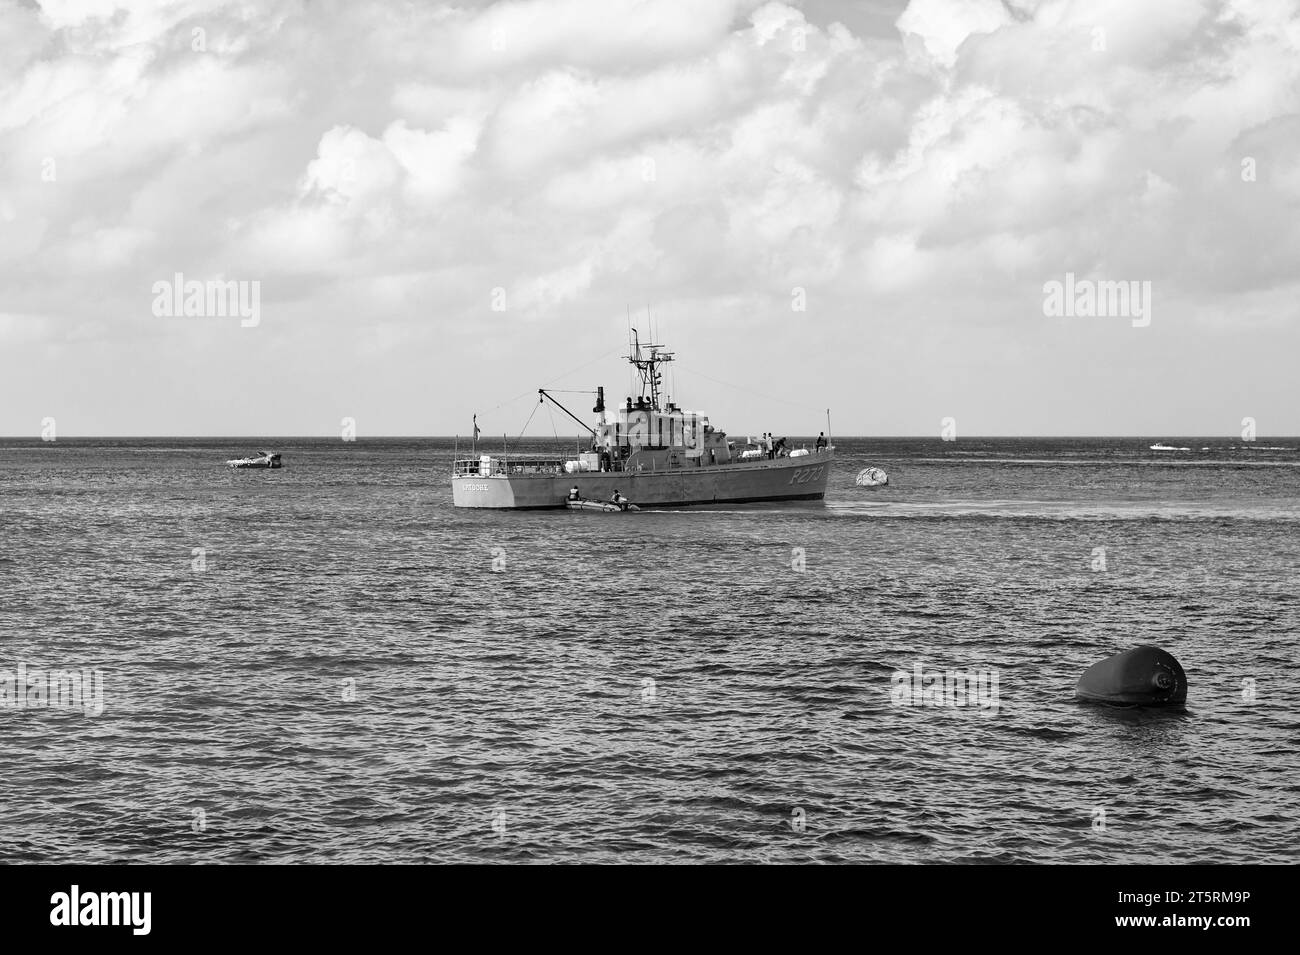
(330, 663)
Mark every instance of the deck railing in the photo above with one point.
(499, 466)
(506, 464)
(502, 465)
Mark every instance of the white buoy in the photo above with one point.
(872, 477)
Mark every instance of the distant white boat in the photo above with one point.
(1166, 447)
(872, 477)
(259, 460)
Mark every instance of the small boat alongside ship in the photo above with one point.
(259, 460)
(607, 506)
(657, 453)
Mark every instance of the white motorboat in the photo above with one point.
(259, 460)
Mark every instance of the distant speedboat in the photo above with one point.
(1165, 447)
(872, 477)
(259, 460)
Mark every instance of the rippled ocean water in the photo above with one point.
(329, 663)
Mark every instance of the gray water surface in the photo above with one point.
(349, 679)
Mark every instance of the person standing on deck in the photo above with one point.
(821, 441)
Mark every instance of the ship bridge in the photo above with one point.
(640, 426)
(645, 434)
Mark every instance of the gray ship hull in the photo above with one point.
(783, 479)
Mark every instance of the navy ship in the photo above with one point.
(650, 455)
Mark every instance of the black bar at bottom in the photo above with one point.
(965, 904)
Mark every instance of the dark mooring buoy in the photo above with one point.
(1143, 676)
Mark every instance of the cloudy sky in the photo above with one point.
(839, 204)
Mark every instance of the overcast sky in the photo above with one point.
(911, 174)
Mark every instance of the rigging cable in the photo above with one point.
(528, 422)
(510, 401)
(554, 430)
(583, 365)
(757, 394)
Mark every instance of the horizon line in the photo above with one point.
(1166, 435)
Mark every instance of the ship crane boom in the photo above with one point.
(547, 395)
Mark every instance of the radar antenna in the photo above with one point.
(647, 358)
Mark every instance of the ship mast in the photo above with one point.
(647, 358)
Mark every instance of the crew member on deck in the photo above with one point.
(821, 440)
